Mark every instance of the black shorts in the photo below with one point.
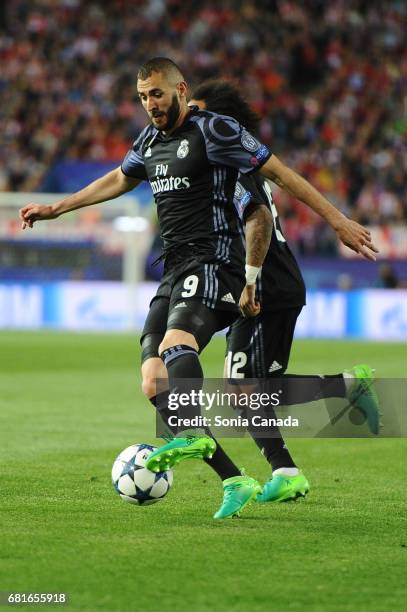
(217, 286)
(199, 298)
(259, 347)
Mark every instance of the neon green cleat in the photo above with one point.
(281, 488)
(238, 491)
(363, 396)
(191, 447)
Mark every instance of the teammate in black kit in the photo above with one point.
(259, 347)
(192, 160)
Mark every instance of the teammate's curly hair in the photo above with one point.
(224, 98)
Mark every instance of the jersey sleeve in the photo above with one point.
(229, 144)
(133, 163)
(247, 195)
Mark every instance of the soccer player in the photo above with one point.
(192, 159)
(259, 347)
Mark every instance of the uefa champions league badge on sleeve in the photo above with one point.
(259, 155)
(262, 153)
(183, 149)
(242, 197)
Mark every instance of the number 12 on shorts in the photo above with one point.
(234, 362)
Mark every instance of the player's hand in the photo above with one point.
(248, 304)
(357, 238)
(36, 212)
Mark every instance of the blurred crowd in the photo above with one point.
(329, 80)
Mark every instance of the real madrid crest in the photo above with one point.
(249, 142)
(183, 149)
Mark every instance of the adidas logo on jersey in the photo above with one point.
(275, 366)
(180, 305)
(228, 298)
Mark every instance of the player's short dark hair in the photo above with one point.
(161, 64)
(225, 98)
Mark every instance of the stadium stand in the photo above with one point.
(330, 109)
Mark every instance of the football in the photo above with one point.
(134, 482)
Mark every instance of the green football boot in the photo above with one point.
(238, 491)
(363, 396)
(178, 449)
(281, 488)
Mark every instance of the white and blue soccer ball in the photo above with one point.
(134, 482)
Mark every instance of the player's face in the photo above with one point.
(161, 100)
(199, 103)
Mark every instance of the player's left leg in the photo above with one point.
(155, 385)
(154, 373)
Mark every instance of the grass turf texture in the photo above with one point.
(70, 403)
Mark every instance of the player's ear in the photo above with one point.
(182, 89)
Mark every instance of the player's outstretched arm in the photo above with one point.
(258, 228)
(353, 235)
(108, 187)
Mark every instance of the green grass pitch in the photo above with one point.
(70, 403)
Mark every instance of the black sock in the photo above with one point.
(182, 362)
(273, 448)
(185, 376)
(296, 389)
(160, 402)
(333, 385)
(220, 462)
(275, 451)
(300, 389)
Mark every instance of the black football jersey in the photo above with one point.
(193, 173)
(280, 284)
